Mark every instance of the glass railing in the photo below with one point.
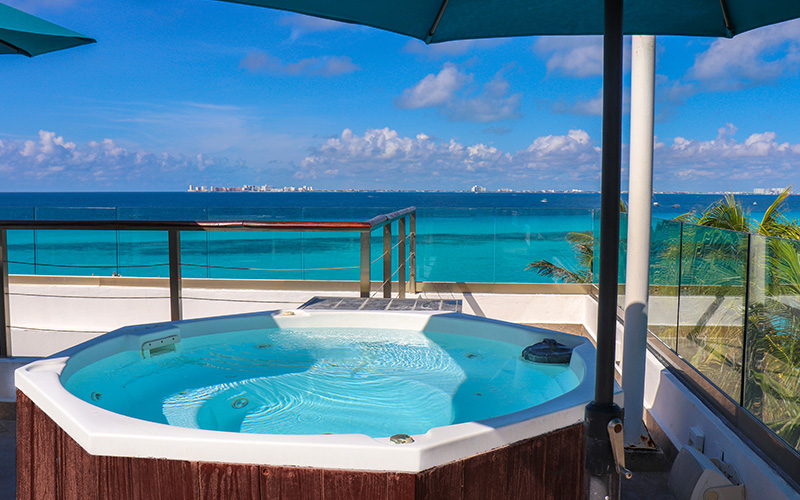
(728, 303)
(492, 245)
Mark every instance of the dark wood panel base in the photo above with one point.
(52, 466)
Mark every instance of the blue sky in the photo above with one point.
(203, 92)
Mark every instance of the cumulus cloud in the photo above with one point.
(257, 61)
(386, 151)
(435, 90)
(760, 157)
(449, 92)
(578, 56)
(52, 161)
(752, 58)
(570, 160)
(592, 106)
(301, 25)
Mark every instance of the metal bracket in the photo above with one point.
(164, 345)
(618, 446)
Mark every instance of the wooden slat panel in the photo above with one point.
(485, 476)
(526, 468)
(44, 482)
(114, 478)
(400, 486)
(157, 479)
(441, 483)
(353, 485)
(77, 474)
(229, 482)
(563, 478)
(291, 483)
(24, 447)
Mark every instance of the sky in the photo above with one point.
(203, 92)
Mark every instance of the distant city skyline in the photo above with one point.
(265, 97)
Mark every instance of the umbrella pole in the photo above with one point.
(602, 475)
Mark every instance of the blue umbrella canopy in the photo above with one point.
(444, 20)
(22, 33)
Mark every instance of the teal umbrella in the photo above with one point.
(443, 20)
(22, 33)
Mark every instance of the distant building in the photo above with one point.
(773, 191)
(478, 189)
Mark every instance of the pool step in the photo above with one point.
(381, 304)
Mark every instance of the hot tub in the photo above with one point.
(68, 444)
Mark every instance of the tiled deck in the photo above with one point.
(381, 304)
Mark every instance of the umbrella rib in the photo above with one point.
(726, 16)
(436, 21)
(16, 49)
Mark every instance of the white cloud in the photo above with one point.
(257, 61)
(592, 106)
(435, 90)
(417, 158)
(578, 56)
(752, 58)
(53, 161)
(301, 25)
(760, 157)
(493, 104)
(448, 91)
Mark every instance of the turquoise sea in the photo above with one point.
(470, 237)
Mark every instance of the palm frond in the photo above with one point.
(774, 223)
(726, 214)
(550, 270)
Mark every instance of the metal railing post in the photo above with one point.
(412, 252)
(387, 261)
(364, 279)
(401, 257)
(175, 291)
(5, 312)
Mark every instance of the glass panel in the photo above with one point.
(353, 214)
(623, 239)
(255, 213)
(144, 253)
(772, 360)
(162, 213)
(255, 255)
(17, 213)
(665, 252)
(455, 244)
(713, 276)
(71, 213)
(21, 254)
(324, 252)
(76, 253)
(543, 246)
(623, 259)
(194, 254)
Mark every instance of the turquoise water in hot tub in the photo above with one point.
(322, 380)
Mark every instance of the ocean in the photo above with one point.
(469, 237)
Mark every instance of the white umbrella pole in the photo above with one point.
(640, 194)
